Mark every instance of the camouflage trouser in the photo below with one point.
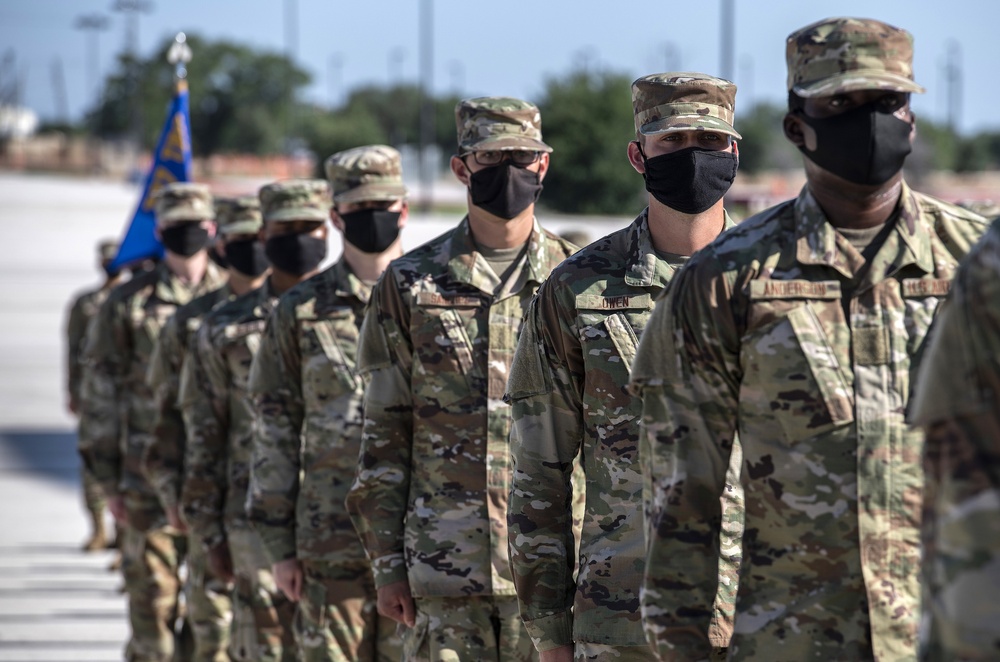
(337, 619)
(150, 563)
(93, 495)
(585, 650)
(262, 616)
(486, 628)
(209, 608)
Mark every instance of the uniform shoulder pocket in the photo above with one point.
(341, 366)
(623, 337)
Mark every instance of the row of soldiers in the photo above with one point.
(689, 440)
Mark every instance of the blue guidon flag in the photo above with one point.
(171, 163)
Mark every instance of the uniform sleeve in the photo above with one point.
(76, 330)
(957, 401)
(107, 353)
(545, 392)
(377, 500)
(687, 374)
(163, 458)
(203, 399)
(275, 388)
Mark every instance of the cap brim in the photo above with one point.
(240, 227)
(852, 81)
(507, 143)
(293, 214)
(182, 216)
(365, 192)
(688, 123)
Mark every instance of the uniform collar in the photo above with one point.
(645, 267)
(171, 289)
(346, 284)
(819, 243)
(466, 265)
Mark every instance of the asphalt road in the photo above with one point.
(58, 604)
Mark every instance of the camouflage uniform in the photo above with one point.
(957, 399)
(430, 496)
(219, 418)
(568, 390)
(307, 399)
(209, 610)
(82, 311)
(119, 414)
(782, 331)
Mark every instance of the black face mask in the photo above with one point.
(505, 190)
(217, 257)
(295, 254)
(184, 239)
(866, 145)
(247, 257)
(371, 230)
(690, 180)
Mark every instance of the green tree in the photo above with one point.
(328, 132)
(764, 146)
(587, 119)
(238, 97)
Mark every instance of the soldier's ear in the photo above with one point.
(792, 127)
(635, 157)
(404, 213)
(460, 170)
(543, 165)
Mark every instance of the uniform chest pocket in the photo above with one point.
(147, 324)
(610, 327)
(328, 368)
(447, 371)
(241, 344)
(792, 375)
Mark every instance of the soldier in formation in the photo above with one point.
(957, 402)
(219, 419)
(119, 411)
(801, 330)
(307, 398)
(430, 496)
(83, 309)
(209, 608)
(568, 385)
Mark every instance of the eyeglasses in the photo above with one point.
(518, 157)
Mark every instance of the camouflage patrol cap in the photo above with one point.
(498, 123)
(295, 200)
(839, 55)
(107, 250)
(372, 172)
(683, 101)
(238, 215)
(183, 201)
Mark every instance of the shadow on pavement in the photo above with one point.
(49, 454)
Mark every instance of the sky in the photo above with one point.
(506, 48)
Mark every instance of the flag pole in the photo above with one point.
(179, 54)
(171, 163)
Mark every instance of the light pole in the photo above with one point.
(291, 48)
(132, 9)
(426, 100)
(726, 40)
(94, 24)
